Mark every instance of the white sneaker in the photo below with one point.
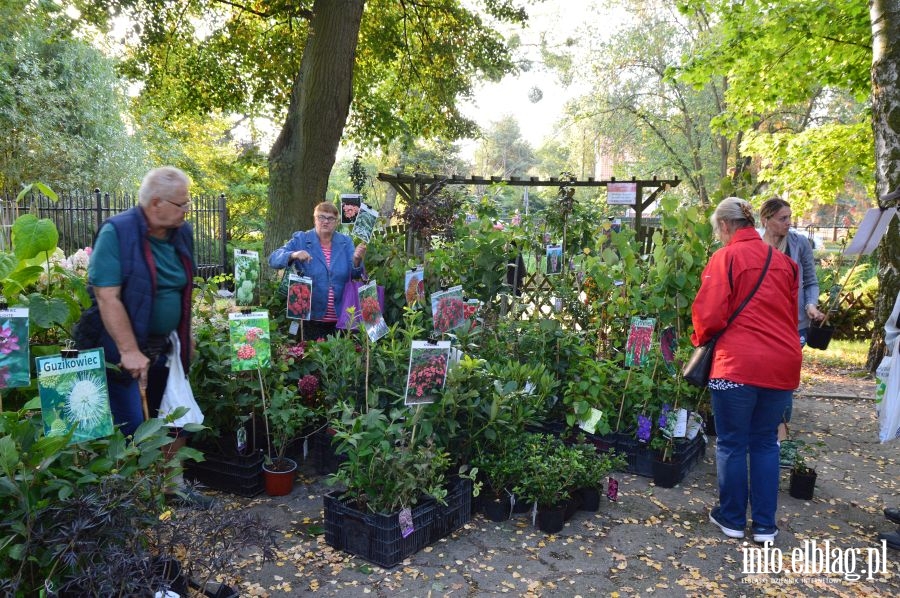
(730, 532)
(762, 536)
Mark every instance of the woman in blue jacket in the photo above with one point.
(329, 259)
(775, 215)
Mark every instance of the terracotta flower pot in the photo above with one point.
(279, 476)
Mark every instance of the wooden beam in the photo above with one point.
(520, 182)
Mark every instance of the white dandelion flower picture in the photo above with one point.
(74, 395)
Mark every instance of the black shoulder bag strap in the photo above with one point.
(749, 297)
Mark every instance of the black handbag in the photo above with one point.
(696, 370)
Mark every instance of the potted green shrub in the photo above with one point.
(393, 475)
(500, 470)
(803, 475)
(593, 466)
(547, 478)
(286, 416)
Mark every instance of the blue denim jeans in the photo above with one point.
(125, 396)
(747, 421)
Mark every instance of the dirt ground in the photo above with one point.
(652, 541)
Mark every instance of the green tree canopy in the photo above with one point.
(797, 75)
(62, 106)
(385, 70)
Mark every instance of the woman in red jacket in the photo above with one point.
(755, 368)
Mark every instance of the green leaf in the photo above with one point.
(30, 236)
(33, 404)
(8, 263)
(47, 311)
(146, 430)
(315, 530)
(24, 276)
(41, 187)
(9, 454)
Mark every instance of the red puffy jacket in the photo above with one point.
(760, 347)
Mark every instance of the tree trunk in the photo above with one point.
(885, 17)
(302, 157)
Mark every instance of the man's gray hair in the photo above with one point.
(165, 182)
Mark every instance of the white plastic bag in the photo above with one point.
(889, 405)
(178, 391)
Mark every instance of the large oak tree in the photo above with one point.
(374, 72)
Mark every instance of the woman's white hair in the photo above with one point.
(165, 182)
(735, 212)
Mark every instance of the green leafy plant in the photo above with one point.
(802, 453)
(593, 466)
(501, 468)
(35, 275)
(287, 416)
(549, 470)
(39, 474)
(227, 399)
(389, 465)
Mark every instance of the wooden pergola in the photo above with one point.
(416, 185)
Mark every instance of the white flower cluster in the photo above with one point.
(78, 261)
(77, 264)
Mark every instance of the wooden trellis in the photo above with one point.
(413, 186)
(538, 291)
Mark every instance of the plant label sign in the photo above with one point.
(405, 519)
(414, 283)
(14, 352)
(554, 259)
(624, 194)
(668, 344)
(299, 297)
(74, 395)
(448, 309)
(589, 424)
(365, 223)
(251, 346)
(370, 308)
(350, 204)
(428, 363)
(637, 347)
(246, 277)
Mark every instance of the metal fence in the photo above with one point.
(78, 216)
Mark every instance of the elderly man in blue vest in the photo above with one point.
(140, 276)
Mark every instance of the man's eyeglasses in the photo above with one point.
(184, 206)
(322, 218)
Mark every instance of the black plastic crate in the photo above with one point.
(640, 456)
(237, 474)
(458, 510)
(689, 453)
(322, 452)
(376, 537)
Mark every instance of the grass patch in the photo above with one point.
(840, 353)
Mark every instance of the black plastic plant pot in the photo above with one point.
(551, 520)
(818, 337)
(496, 509)
(803, 484)
(666, 474)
